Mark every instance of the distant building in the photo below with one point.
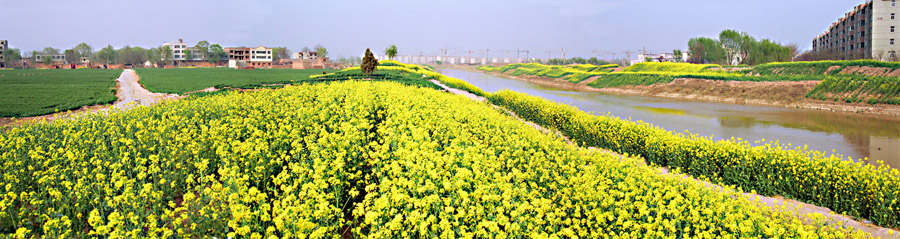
(661, 57)
(178, 49)
(56, 58)
(259, 57)
(3, 47)
(869, 31)
(306, 55)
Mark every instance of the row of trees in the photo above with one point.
(159, 56)
(735, 47)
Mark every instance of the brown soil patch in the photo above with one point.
(737, 91)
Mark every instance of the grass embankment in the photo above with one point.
(856, 67)
(181, 80)
(863, 81)
(347, 159)
(35, 92)
(405, 73)
(855, 189)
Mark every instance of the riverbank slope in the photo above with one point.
(788, 94)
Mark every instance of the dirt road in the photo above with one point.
(132, 93)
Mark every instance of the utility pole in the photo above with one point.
(487, 54)
(628, 54)
(548, 56)
(526, 55)
(594, 54)
(527, 58)
(563, 51)
(517, 55)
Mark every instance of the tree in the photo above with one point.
(83, 50)
(108, 54)
(321, 51)
(188, 55)
(391, 52)
(216, 53)
(706, 51)
(677, 53)
(369, 63)
(11, 57)
(152, 55)
(71, 56)
(131, 55)
(202, 49)
(305, 49)
(279, 53)
(166, 55)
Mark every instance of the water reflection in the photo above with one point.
(852, 135)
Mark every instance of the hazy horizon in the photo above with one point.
(347, 28)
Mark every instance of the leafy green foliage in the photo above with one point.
(368, 63)
(35, 92)
(733, 46)
(181, 80)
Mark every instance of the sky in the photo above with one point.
(347, 27)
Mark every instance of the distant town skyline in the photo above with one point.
(347, 28)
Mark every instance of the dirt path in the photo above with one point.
(132, 93)
(798, 208)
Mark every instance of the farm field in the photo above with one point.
(182, 80)
(355, 159)
(33, 92)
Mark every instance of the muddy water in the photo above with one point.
(855, 136)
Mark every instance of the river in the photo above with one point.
(856, 136)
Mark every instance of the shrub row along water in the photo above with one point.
(348, 160)
(850, 89)
(856, 189)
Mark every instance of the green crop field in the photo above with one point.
(39, 92)
(183, 80)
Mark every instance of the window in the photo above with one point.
(892, 28)
(892, 53)
(862, 45)
(862, 23)
(892, 16)
(892, 41)
(893, 3)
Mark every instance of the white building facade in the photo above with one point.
(178, 49)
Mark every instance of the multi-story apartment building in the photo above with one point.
(55, 58)
(3, 47)
(869, 31)
(178, 49)
(259, 57)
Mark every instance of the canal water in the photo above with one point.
(859, 137)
